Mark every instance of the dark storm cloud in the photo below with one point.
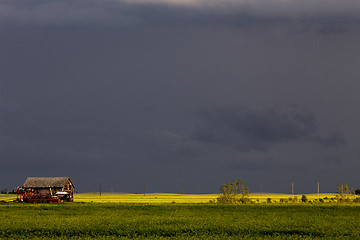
(329, 28)
(162, 12)
(107, 91)
(270, 8)
(248, 130)
(64, 12)
(110, 12)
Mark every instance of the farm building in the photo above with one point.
(41, 188)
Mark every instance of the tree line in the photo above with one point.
(236, 192)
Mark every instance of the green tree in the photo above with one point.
(4, 191)
(344, 193)
(234, 192)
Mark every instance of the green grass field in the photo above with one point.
(171, 216)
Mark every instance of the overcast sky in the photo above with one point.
(181, 92)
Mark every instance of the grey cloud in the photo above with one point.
(269, 8)
(329, 28)
(64, 12)
(268, 165)
(109, 88)
(125, 13)
(248, 130)
(332, 140)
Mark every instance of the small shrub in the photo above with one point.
(304, 199)
(4, 191)
(268, 200)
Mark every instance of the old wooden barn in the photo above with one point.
(50, 187)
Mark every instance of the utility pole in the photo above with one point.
(144, 189)
(318, 185)
(100, 189)
(292, 188)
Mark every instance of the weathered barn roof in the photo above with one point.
(45, 182)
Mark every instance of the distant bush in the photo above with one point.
(268, 200)
(357, 191)
(4, 191)
(304, 199)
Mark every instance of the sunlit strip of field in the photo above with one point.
(262, 197)
(7, 197)
(158, 198)
(153, 198)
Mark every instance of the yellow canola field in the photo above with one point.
(153, 198)
(7, 197)
(275, 197)
(158, 198)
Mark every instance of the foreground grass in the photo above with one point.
(135, 216)
(178, 221)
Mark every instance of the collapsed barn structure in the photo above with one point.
(46, 189)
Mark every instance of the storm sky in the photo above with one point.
(181, 92)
